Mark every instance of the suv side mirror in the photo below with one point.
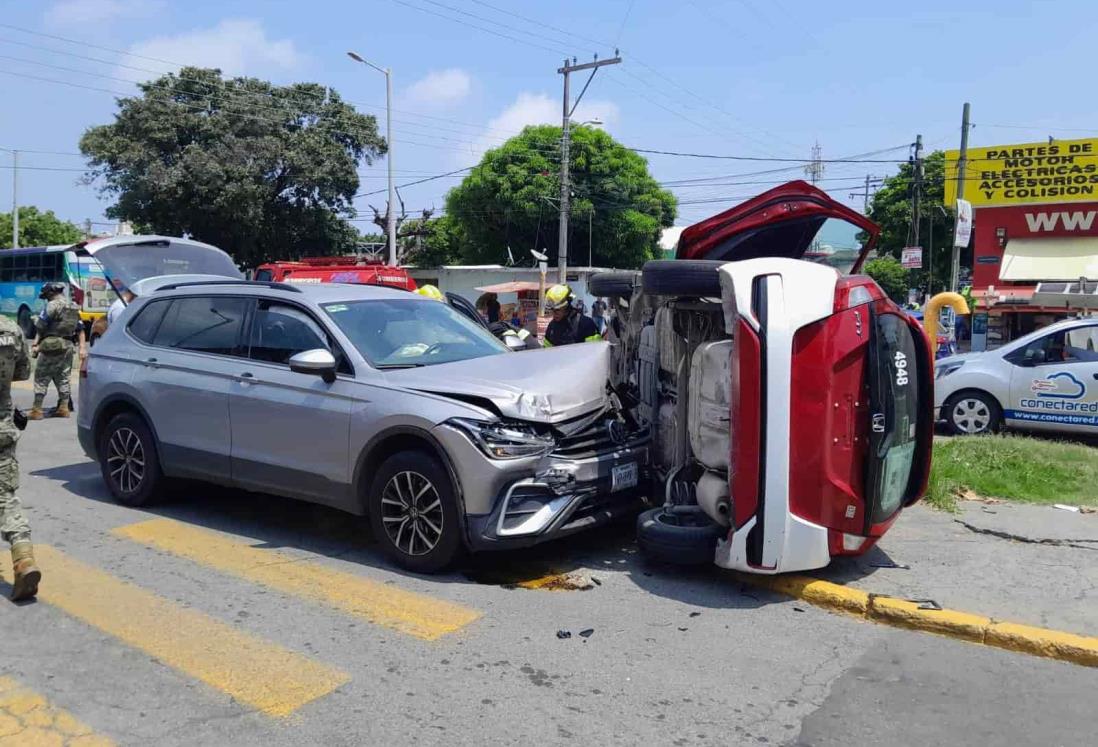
(318, 362)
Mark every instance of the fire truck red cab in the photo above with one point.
(335, 270)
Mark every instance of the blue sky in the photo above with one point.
(760, 78)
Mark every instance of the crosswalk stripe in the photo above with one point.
(28, 719)
(257, 673)
(382, 604)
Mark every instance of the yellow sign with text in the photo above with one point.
(1027, 174)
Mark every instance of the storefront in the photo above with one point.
(1034, 235)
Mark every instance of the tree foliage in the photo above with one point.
(890, 275)
(262, 171)
(38, 229)
(891, 209)
(511, 199)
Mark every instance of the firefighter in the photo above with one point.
(569, 325)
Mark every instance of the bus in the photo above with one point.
(24, 271)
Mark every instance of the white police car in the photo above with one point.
(1046, 380)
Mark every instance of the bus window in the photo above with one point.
(6, 269)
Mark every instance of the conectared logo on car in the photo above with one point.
(1060, 385)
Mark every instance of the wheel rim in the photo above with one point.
(126, 460)
(411, 511)
(971, 415)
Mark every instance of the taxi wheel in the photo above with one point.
(972, 413)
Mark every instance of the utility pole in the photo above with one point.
(15, 199)
(565, 143)
(871, 183)
(917, 190)
(87, 228)
(962, 162)
(815, 168)
(590, 239)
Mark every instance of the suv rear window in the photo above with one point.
(203, 324)
(894, 396)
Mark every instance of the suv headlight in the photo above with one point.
(942, 371)
(503, 440)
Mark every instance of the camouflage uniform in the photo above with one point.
(14, 366)
(56, 326)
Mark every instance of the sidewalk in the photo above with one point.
(1021, 563)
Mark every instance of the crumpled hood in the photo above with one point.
(545, 386)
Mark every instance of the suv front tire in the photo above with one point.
(413, 512)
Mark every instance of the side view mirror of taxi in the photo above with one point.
(319, 362)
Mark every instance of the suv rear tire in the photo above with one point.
(613, 284)
(680, 535)
(129, 461)
(682, 277)
(414, 512)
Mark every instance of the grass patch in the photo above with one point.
(1017, 468)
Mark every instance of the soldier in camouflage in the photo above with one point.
(57, 325)
(14, 366)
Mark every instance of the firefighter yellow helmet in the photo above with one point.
(430, 291)
(558, 297)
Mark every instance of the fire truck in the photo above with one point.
(335, 270)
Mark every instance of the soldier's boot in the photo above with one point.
(36, 410)
(26, 570)
(62, 410)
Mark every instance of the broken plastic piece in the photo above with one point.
(587, 633)
(563, 634)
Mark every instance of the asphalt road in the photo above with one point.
(231, 618)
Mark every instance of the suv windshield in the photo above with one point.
(404, 333)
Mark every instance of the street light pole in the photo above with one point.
(390, 222)
(15, 199)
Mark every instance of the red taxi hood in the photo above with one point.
(781, 222)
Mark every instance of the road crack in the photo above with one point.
(1076, 543)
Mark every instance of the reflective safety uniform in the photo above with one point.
(575, 327)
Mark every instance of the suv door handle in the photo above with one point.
(247, 375)
(151, 362)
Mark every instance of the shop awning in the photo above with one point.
(1067, 258)
(513, 287)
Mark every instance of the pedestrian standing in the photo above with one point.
(57, 325)
(598, 314)
(14, 366)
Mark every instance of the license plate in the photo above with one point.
(623, 476)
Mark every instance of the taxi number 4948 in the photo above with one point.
(900, 363)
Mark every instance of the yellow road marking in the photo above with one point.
(258, 673)
(415, 614)
(27, 719)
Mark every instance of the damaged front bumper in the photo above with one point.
(522, 502)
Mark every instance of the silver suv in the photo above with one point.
(371, 400)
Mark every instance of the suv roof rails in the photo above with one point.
(267, 283)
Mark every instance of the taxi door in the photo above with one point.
(1054, 382)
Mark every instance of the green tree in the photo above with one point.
(512, 199)
(38, 229)
(890, 275)
(891, 209)
(262, 171)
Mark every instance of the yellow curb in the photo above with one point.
(820, 593)
(900, 613)
(903, 614)
(1052, 644)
